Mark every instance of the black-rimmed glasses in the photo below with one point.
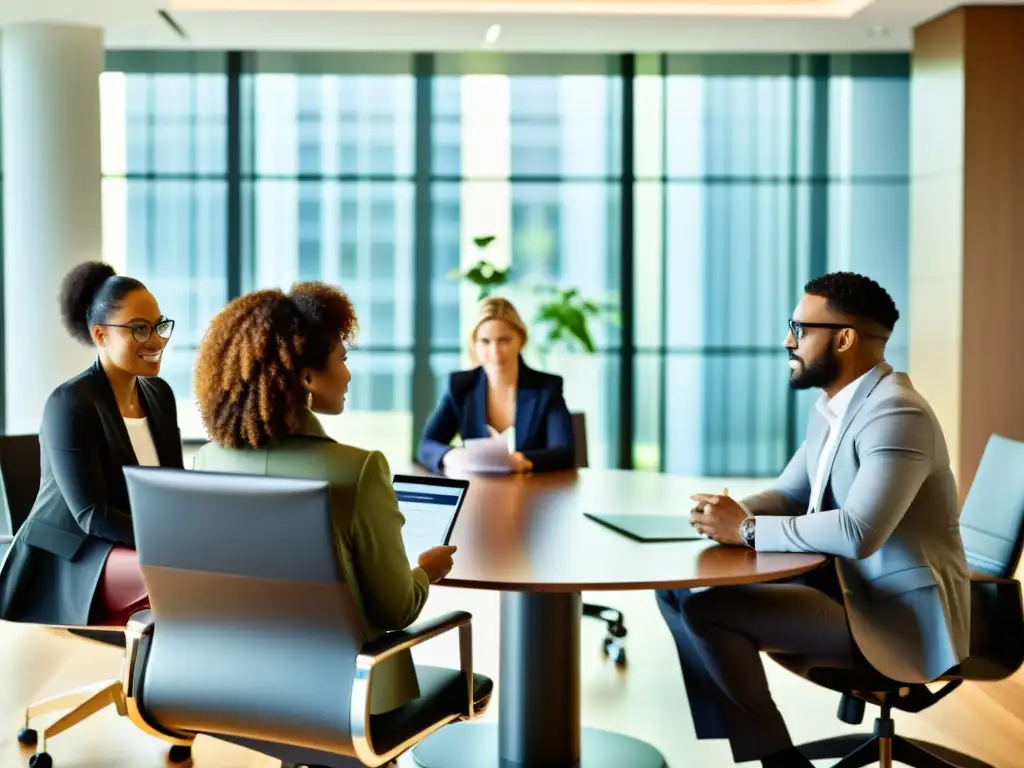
(143, 331)
(797, 329)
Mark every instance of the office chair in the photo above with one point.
(614, 644)
(992, 525)
(253, 636)
(19, 481)
(19, 475)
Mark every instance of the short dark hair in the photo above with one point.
(248, 370)
(89, 294)
(855, 296)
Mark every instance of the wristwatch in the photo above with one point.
(747, 528)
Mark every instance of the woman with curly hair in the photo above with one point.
(73, 561)
(268, 362)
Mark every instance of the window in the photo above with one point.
(331, 173)
(539, 167)
(165, 195)
(749, 183)
(749, 174)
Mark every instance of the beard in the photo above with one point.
(821, 373)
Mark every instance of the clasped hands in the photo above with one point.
(718, 517)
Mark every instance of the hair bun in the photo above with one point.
(77, 292)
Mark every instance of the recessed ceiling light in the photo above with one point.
(878, 31)
(493, 33)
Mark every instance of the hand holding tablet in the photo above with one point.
(437, 562)
(430, 506)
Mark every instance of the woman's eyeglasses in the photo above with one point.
(143, 331)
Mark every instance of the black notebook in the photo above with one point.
(650, 527)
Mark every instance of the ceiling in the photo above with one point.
(525, 25)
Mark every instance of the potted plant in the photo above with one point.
(562, 314)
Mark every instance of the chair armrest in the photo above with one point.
(391, 643)
(374, 652)
(997, 620)
(140, 622)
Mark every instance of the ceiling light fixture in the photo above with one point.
(492, 35)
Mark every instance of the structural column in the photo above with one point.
(49, 81)
(967, 227)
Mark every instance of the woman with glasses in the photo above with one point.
(74, 561)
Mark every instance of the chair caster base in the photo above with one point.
(179, 753)
(40, 760)
(28, 737)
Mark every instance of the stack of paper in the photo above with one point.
(485, 454)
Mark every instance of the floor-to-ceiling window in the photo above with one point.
(327, 194)
(164, 159)
(754, 173)
(530, 152)
(745, 175)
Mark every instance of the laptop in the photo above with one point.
(649, 527)
(430, 506)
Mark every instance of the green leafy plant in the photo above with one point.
(567, 317)
(563, 313)
(483, 274)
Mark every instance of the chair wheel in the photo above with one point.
(40, 760)
(28, 737)
(615, 651)
(180, 753)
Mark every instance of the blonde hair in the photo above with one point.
(497, 308)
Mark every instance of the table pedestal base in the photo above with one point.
(472, 745)
(538, 700)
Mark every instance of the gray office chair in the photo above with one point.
(992, 525)
(614, 643)
(253, 636)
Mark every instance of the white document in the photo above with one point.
(429, 512)
(485, 454)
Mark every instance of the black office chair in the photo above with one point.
(614, 642)
(20, 472)
(19, 480)
(992, 524)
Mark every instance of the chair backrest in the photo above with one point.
(19, 476)
(992, 518)
(579, 438)
(255, 632)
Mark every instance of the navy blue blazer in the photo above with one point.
(543, 424)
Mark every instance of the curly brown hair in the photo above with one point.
(248, 371)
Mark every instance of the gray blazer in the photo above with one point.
(890, 515)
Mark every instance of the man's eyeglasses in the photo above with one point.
(143, 331)
(797, 329)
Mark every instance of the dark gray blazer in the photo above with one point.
(52, 570)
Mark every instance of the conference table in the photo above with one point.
(527, 537)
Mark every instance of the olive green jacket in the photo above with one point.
(368, 533)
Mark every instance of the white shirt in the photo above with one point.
(142, 442)
(509, 436)
(833, 410)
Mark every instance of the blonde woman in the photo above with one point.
(500, 395)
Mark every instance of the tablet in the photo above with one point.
(430, 506)
(650, 527)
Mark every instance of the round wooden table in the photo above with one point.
(526, 536)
